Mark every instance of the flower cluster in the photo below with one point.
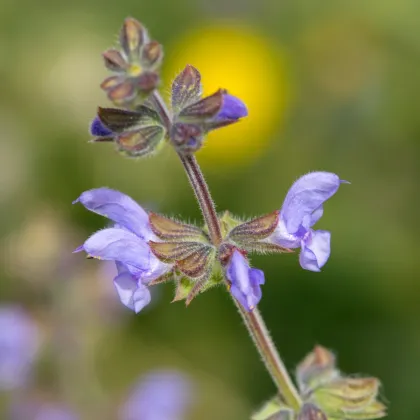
(149, 248)
(141, 131)
(135, 66)
(328, 394)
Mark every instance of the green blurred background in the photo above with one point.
(331, 85)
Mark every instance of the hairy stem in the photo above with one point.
(253, 320)
(204, 199)
(270, 356)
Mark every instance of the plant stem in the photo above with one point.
(253, 320)
(204, 199)
(270, 356)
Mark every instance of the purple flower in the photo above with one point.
(125, 243)
(19, 342)
(161, 395)
(302, 208)
(34, 411)
(245, 281)
(98, 129)
(232, 109)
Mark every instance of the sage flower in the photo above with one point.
(161, 395)
(245, 281)
(19, 341)
(302, 208)
(36, 411)
(125, 243)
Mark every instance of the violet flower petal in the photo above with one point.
(119, 245)
(315, 250)
(305, 196)
(118, 207)
(98, 129)
(245, 281)
(19, 342)
(316, 215)
(133, 295)
(33, 411)
(163, 395)
(232, 109)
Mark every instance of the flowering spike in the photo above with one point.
(168, 229)
(186, 88)
(133, 35)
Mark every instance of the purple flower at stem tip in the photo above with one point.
(245, 281)
(302, 208)
(125, 243)
(232, 109)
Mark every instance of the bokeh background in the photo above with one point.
(330, 85)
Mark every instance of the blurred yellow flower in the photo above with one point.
(244, 62)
